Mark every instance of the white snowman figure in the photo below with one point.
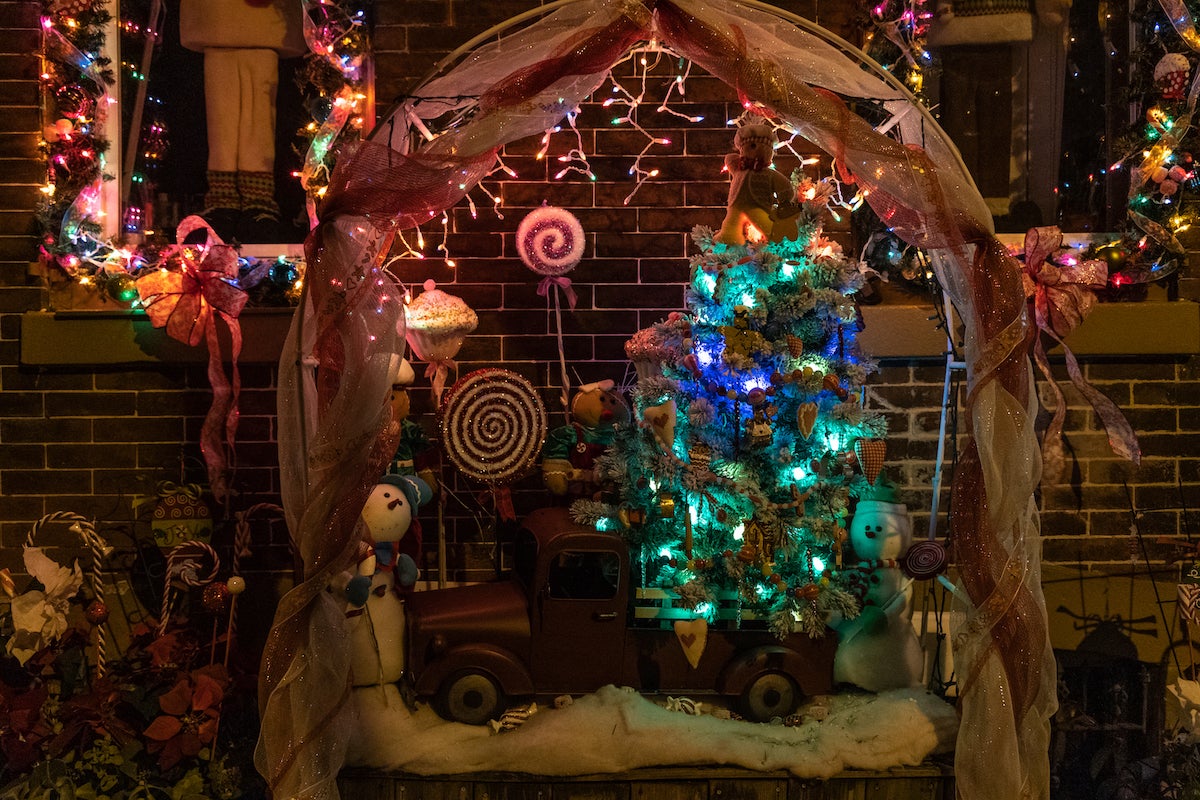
(390, 541)
(879, 649)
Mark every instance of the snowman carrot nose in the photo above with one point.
(397, 502)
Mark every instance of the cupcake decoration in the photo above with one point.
(437, 323)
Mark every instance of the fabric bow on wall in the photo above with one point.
(1061, 296)
(187, 303)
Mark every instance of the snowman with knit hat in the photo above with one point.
(879, 649)
(387, 567)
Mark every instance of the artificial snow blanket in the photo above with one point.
(617, 730)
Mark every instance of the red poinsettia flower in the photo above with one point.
(94, 713)
(190, 711)
(173, 649)
(22, 729)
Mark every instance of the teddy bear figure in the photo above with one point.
(570, 452)
(740, 340)
(391, 545)
(758, 194)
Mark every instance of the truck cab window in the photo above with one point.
(584, 575)
(525, 551)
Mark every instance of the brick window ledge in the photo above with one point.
(65, 338)
(79, 338)
(1151, 327)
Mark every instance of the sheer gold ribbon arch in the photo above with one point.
(437, 144)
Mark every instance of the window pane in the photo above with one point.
(585, 575)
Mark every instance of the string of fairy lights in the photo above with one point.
(76, 80)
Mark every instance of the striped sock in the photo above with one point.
(258, 192)
(222, 190)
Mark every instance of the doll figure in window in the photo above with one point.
(242, 42)
(759, 196)
(570, 452)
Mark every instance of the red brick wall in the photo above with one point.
(86, 439)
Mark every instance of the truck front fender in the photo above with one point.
(509, 671)
(812, 668)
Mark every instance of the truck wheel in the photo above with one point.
(471, 697)
(769, 694)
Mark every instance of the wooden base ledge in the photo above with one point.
(930, 781)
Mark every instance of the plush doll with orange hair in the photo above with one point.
(758, 194)
(570, 452)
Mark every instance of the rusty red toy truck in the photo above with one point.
(567, 623)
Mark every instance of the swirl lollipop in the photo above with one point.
(493, 426)
(924, 560)
(551, 242)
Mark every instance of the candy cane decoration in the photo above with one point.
(236, 583)
(183, 565)
(97, 611)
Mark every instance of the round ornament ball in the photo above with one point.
(320, 108)
(96, 612)
(1114, 256)
(121, 287)
(284, 273)
(215, 596)
(550, 241)
(236, 585)
(73, 101)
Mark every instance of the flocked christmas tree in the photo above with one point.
(751, 436)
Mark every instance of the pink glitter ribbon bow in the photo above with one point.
(437, 372)
(187, 303)
(1062, 296)
(562, 282)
